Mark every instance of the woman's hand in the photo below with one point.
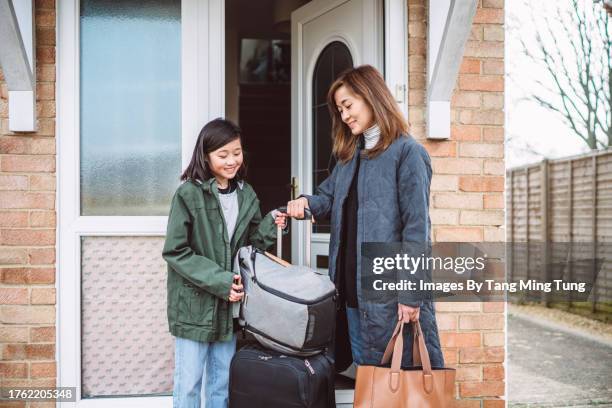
(295, 208)
(236, 292)
(408, 314)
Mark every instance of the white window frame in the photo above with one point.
(202, 98)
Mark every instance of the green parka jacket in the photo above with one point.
(200, 257)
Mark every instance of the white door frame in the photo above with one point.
(202, 98)
(395, 53)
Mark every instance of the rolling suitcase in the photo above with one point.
(262, 378)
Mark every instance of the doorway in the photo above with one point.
(275, 89)
(258, 94)
(281, 58)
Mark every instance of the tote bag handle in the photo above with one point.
(396, 348)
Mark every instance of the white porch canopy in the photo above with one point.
(450, 23)
(18, 61)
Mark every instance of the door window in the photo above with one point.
(335, 58)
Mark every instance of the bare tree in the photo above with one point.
(572, 42)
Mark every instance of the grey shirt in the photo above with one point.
(229, 207)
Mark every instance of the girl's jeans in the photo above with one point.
(191, 358)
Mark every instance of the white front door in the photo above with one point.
(326, 37)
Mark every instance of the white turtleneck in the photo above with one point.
(371, 136)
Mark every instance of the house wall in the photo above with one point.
(27, 229)
(466, 205)
(467, 190)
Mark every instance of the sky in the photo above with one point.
(532, 131)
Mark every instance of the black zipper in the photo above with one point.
(255, 331)
(281, 294)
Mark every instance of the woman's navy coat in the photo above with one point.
(393, 196)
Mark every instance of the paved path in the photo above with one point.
(554, 368)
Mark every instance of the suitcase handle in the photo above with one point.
(307, 213)
(279, 234)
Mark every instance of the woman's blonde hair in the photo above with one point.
(369, 84)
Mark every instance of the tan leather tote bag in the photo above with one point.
(418, 387)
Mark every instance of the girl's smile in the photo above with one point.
(226, 161)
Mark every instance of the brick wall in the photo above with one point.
(27, 229)
(467, 190)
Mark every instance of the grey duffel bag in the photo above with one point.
(288, 308)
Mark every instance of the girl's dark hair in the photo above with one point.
(214, 135)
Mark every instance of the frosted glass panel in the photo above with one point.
(130, 106)
(125, 344)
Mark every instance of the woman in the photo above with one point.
(378, 192)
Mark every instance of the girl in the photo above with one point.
(213, 213)
(378, 192)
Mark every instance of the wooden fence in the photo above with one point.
(559, 211)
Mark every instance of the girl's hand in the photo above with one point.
(236, 293)
(281, 219)
(408, 314)
(295, 208)
(235, 296)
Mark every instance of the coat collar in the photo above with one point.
(244, 209)
(208, 184)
